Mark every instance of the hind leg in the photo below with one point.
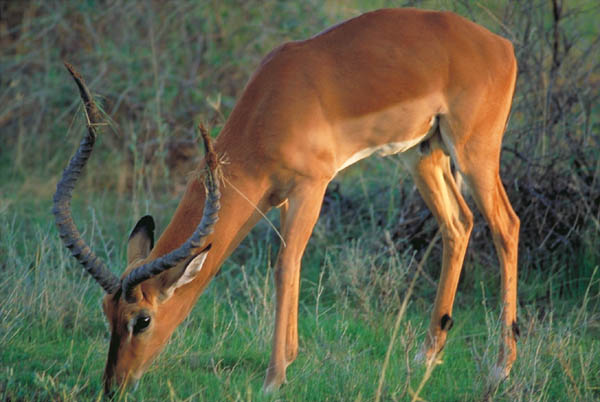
(478, 159)
(430, 167)
(491, 198)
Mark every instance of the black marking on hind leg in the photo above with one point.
(425, 147)
(447, 322)
(516, 331)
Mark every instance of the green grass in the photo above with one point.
(157, 70)
(54, 340)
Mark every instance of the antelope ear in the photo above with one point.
(141, 239)
(182, 274)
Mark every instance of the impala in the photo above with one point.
(431, 86)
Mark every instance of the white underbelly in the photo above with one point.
(388, 149)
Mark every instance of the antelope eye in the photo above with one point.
(141, 324)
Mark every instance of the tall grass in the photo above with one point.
(157, 68)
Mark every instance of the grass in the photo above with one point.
(159, 69)
(54, 339)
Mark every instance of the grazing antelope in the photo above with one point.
(432, 86)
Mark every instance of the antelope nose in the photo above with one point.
(110, 388)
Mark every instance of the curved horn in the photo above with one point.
(196, 240)
(62, 198)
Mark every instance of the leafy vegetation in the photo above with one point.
(157, 68)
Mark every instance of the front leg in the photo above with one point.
(299, 216)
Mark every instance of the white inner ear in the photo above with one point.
(191, 270)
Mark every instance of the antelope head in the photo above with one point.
(137, 305)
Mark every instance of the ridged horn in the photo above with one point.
(62, 198)
(196, 240)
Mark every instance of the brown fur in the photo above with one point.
(376, 79)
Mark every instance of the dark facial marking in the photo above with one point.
(117, 295)
(447, 322)
(111, 362)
